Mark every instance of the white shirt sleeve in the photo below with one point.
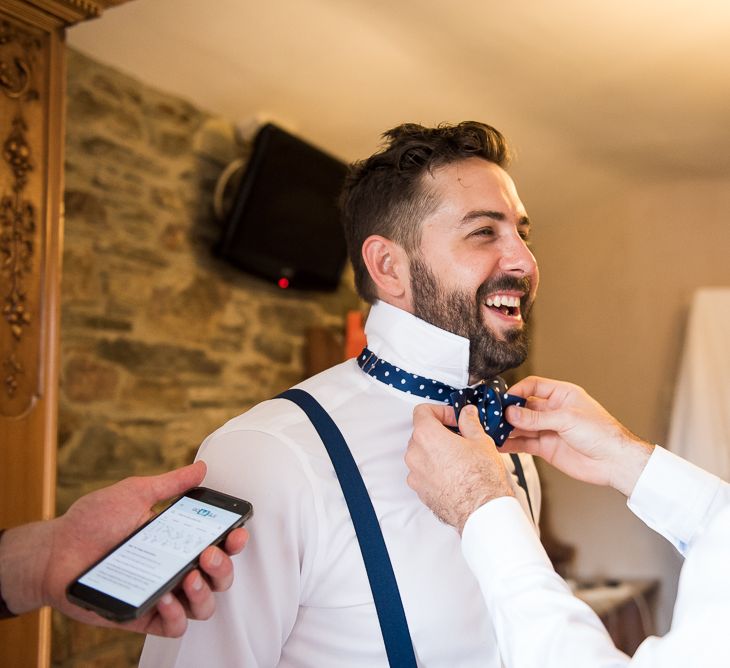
(539, 623)
(698, 636)
(676, 498)
(255, 616)
(537, 620)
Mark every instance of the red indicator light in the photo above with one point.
(283, 283)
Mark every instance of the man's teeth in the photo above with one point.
(503, 300)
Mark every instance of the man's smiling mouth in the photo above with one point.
(506, 305)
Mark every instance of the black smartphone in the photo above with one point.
(132, 576)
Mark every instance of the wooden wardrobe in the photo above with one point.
(32, 79)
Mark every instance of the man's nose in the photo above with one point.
(516, 257)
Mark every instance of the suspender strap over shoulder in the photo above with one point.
(388, 604)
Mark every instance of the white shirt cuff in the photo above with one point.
(674, 497)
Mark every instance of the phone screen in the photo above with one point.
(138, 568)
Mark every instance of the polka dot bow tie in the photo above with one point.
(491, 399)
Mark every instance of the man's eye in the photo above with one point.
(525, 236)
(483, 232)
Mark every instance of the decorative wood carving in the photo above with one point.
(56, 14)
(19, 229)
(32, 81)
(72, 11)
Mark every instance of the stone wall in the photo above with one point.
(160, 342)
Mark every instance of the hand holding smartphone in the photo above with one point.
(131, 577)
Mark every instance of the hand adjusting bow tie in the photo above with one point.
(491, 399)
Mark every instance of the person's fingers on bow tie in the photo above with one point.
(426, 413)
(453, 474)
(565, 426)
(472, 429)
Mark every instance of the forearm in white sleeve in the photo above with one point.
(537, 620)
(676, 498)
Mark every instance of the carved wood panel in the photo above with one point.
(32, 81)
(22, 150)
(30, 190)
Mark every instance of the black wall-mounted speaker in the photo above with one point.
(284, 224)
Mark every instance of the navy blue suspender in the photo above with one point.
(388, 604)
(522, 481)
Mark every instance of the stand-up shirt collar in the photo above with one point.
(417, 346)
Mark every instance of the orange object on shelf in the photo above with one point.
(354, 334)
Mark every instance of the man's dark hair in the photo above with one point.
(386, 195)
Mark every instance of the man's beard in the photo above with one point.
(461, 313)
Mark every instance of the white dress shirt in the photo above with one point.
(301, 595)
(540, 624)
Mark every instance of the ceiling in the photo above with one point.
(632, 85)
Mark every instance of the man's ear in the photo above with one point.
(388, 266)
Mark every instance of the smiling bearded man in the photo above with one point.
(437, 236)
(470, 268)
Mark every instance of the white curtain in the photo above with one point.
(700, 424)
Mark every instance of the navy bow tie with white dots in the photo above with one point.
(491, 398)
